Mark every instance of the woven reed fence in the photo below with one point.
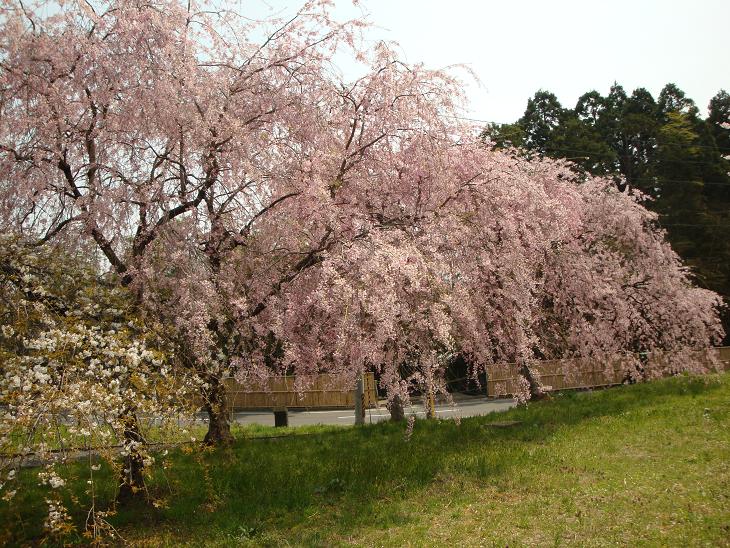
(572, 373)
(328, 391)
(324, 391)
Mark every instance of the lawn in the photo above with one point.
(636, 465)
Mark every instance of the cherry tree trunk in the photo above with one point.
(430, 404)
(131, 485)
(397, 413)
(216, 405)
(536, 391)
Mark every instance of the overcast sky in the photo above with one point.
(566, 46)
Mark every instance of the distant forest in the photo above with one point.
(662, 147)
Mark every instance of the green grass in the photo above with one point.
(643, 465)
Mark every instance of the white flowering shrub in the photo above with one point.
(81, 374)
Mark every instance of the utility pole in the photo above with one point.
(359, 401)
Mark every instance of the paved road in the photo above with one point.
(464, 407)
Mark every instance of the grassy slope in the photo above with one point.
(638, 465)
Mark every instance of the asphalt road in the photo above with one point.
(463, 407)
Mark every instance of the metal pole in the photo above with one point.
(359, 401)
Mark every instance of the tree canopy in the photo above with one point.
(662, 148)
(274, 219)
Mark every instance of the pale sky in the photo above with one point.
(566, 46)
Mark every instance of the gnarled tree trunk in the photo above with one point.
(397, 413)
(131, 484)
(536, 390)
(216, 405)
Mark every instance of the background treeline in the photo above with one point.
(662, 146)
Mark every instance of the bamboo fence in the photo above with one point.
(568, 374)
(323, 392)
(329, 391)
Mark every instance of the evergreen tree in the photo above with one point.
(719, 114)
(544, 114)
(672, 99)
(504, 135)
